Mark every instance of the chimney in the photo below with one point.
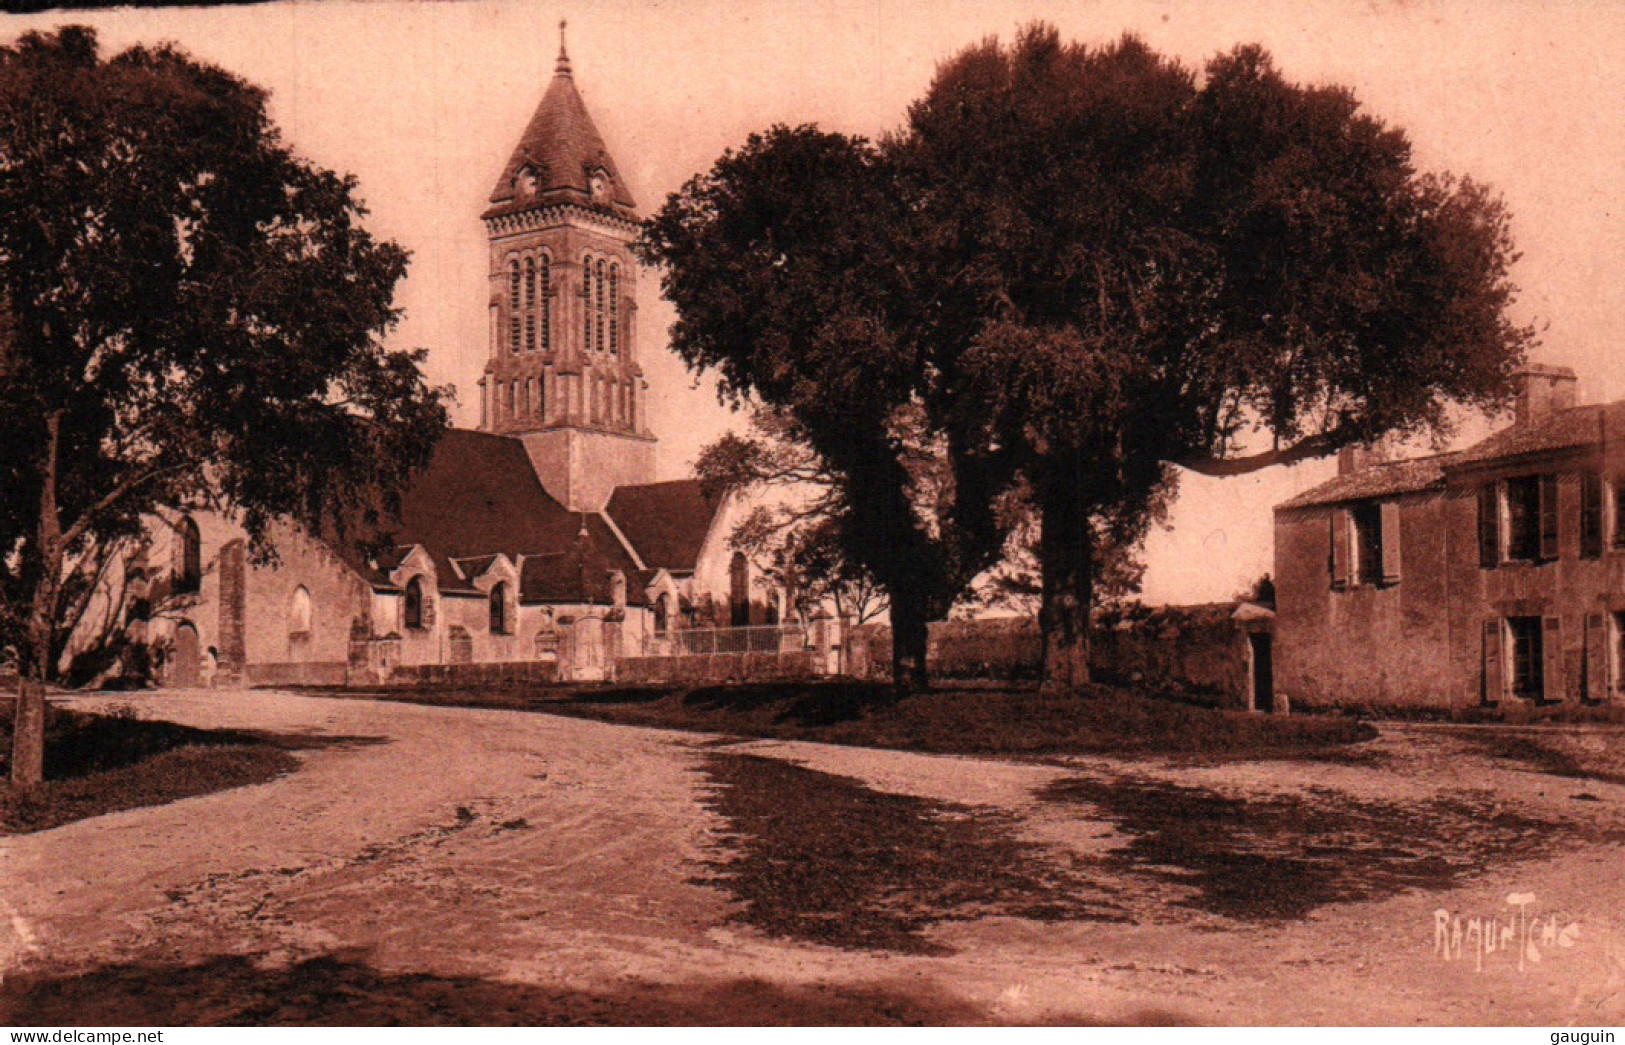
(1542, 391)
(1358, 458)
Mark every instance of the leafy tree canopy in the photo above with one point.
(1083, 267)
(192, 318)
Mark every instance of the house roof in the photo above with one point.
(562, 148)
(666, 522)
(479, 496)
(1379, 480)
(1574, 426)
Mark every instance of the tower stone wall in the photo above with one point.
(562, 372)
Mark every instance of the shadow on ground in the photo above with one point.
(1279, 856)
(825, 859)
(113, 761)
(1539, 754)
(342, 990)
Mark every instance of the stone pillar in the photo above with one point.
(233, 608)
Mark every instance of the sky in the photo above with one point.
(423, 102)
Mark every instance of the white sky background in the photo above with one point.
(424, 101)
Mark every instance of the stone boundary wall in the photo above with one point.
(519, 671)
(721, 667)
(299, 673)
(1197, 649)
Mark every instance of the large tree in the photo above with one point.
(793, 268)
(192, 318)
(1220, 273)
(1079, 269)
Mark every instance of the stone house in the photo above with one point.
(542, 538)
(1489, 577)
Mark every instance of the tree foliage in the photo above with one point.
(793, 272)
(1083, 268)
(1163, 270)
(793, 533)
(192, 319)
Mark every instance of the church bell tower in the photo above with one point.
(563, 373)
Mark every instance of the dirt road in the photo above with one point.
(449, 865)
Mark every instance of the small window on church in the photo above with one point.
(600, 303)
(300, 612)
(513, 284)
(499, 610)
(513, 389)
(524, 402)
(545, 276)
(614, 310)
(513, 333)
(586, 303)
(530, 282)
(739, 590)
(188, 557)
(414, 603)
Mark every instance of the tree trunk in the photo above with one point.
(1066, 555)
(909, 637)
(28, 724)
(28, 734)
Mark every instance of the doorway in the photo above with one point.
(1263, 671)
(184, 673)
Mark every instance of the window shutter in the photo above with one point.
(1340, 548)
(1590, 515)
(1596, 658)
(1548, 517)
(1551, 655)
(1494, 686)
(1617, 488)
(1390, 542)
(1489, 526)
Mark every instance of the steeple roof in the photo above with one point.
(561, 150)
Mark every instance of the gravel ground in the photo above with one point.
(444, 865)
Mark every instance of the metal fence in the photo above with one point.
(756, 638)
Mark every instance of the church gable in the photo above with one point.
(667, 523)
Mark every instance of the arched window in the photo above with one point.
(513, 390)
(662, 613)
(524, 401)
(530, 282)
(600, 303)
(414, 603)
(499, 610)
(614, 310)
(739, 590)
(300, 611)
(586, 303)
(513, 284)
(188, 556)
(545, 292)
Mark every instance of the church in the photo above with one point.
(539, 545)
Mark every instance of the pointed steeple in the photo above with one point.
(561, 157)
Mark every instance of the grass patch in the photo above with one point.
(825, 859)
(1278, 857)
(98, 764)
(983, 720)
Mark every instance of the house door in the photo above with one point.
(1263, 672)
(183, 672)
